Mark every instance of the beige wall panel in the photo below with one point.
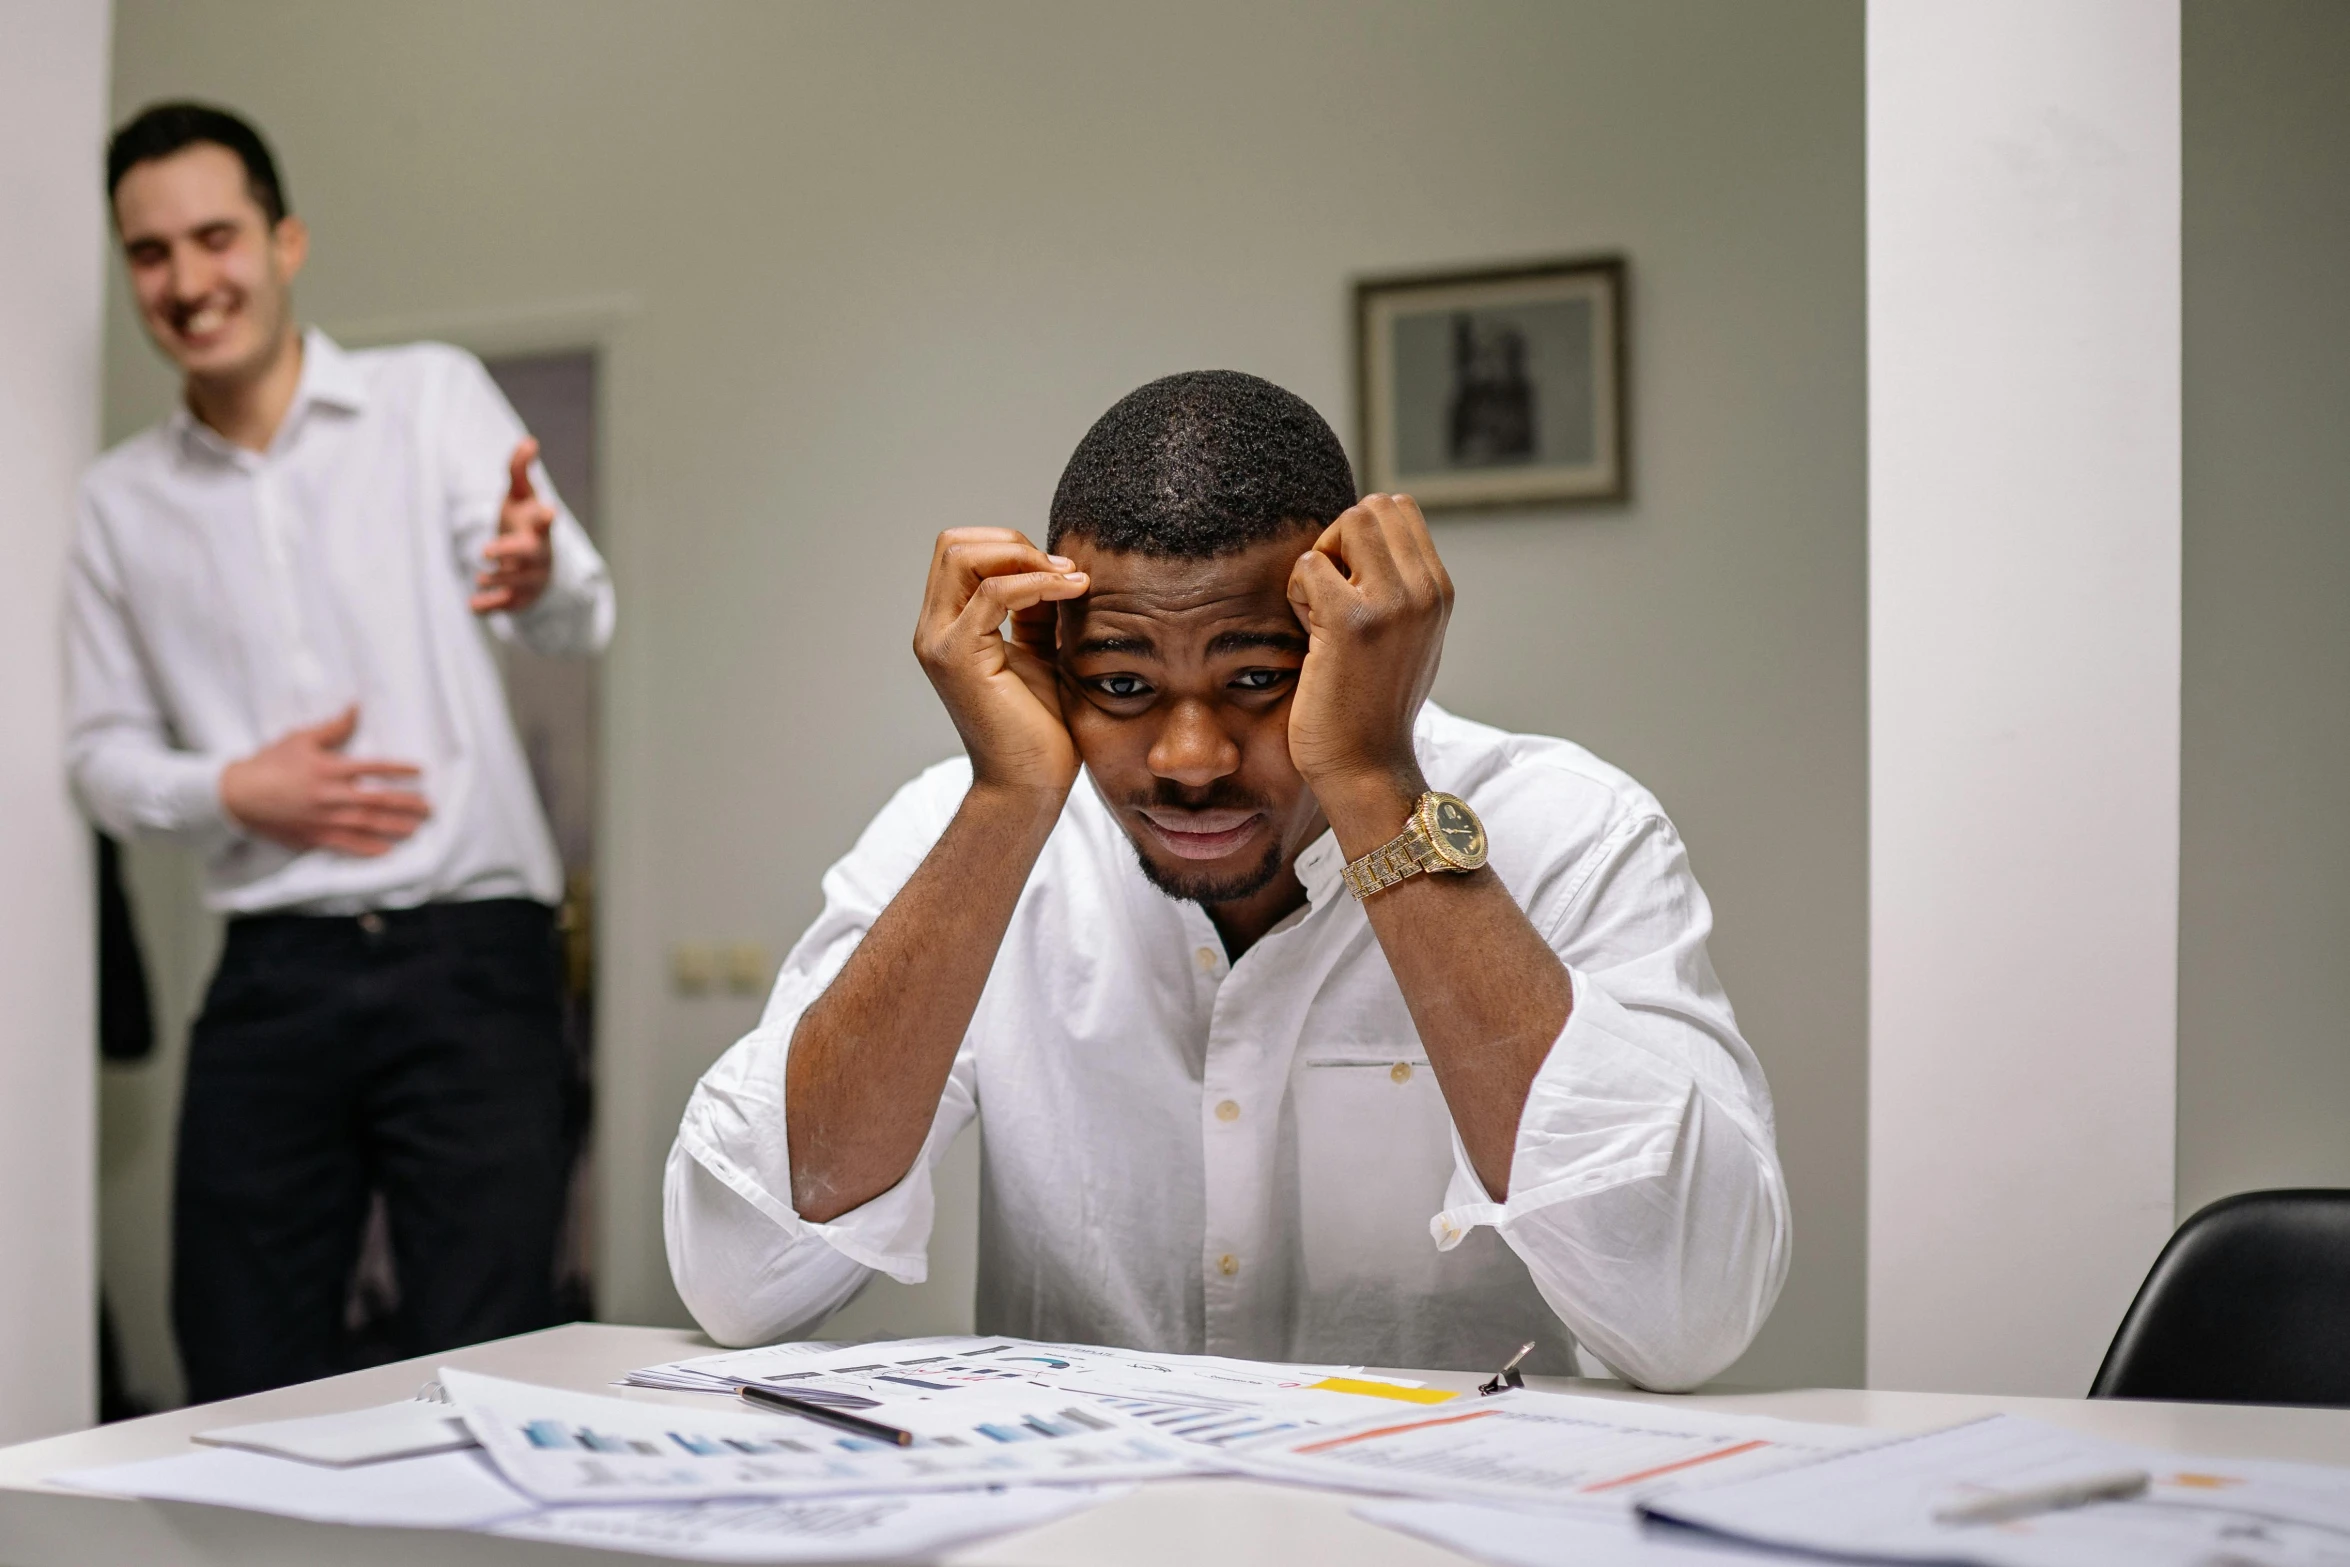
(52, 119)
(2264, 856)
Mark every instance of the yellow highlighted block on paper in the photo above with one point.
(1405, 1395)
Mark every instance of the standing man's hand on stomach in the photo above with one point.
(301, 791)
(870, 1057)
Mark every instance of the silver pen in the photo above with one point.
(1508, 1376)
(2111, 1485)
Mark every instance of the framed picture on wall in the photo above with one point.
(1501, 387)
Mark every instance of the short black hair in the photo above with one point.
(161, 129)
(1200, 464)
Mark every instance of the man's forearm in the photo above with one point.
(137, 790)
(1486, 993)
(871, 1056)
(574, 616)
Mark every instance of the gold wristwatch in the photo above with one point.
(1442, 835)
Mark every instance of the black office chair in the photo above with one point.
(2248, 1304)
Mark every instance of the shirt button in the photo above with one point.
(372, 923)
(1228, 1111)
(1401, 1072)
(1207, 959)
(1228, 1265)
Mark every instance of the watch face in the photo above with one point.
(1460, 837)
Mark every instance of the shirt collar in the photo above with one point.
(329, 375)
(330, 378)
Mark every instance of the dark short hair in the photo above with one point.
(1201, 464)
(161, 129)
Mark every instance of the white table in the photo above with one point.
(1228, 1523)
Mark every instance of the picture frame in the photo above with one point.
(1497, 387)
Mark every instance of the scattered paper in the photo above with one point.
(462, 1490)
(719, 1373)
(1542, 1449)
(356, 1436)
(848, 1528)
(1880, 1502)
(564, 1447)
(1515, 1538)
(443, 1491)
(1011, 1434)
(1204, 1399)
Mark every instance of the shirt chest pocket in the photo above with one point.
(1374, 1155)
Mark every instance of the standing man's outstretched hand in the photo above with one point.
(1002, 692)
(1374, 599)
(301, 791)
(522, 557)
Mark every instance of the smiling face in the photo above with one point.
(212, 276)
(1177, 675)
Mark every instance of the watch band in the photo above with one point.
(1406, 854)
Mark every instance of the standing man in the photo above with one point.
(276, 607)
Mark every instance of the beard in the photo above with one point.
(1204, 886)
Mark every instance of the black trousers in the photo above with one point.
(415, 1052)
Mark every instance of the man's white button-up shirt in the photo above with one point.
(219, 598)
(1253, 1158)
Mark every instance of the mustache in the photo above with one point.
(1223, 794)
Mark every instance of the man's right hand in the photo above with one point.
(302, 792)
(871, 1055)
(1003, 694)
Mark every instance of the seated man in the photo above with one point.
(1271, 1061)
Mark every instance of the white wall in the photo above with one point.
(52, 127)
(886, 262)
(2023, 239)
(2264, 920)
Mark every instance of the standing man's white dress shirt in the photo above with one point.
(276, 654)
(1256, 1160)
(221, 597)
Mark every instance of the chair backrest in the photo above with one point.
(2248, 1304)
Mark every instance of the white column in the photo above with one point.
(2024, 494)
(53, 87)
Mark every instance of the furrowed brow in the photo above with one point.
(1237, 641)
(1115, 646)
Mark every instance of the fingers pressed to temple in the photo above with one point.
(979, 561)
(1037, 627)
(998, 597)
(1318, 583)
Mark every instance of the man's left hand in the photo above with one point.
(522, 556)
(1374, 600)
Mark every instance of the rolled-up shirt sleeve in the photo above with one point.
(746, 1264)
(1645, 1193)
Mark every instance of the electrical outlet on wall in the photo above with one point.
(693, 968)
(747, 968)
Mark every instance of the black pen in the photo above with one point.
(771, 1399)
